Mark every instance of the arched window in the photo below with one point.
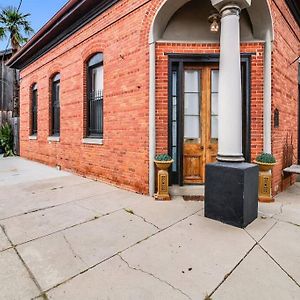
(55, 106)
(95, 96)
(34, 109)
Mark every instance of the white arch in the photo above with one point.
(261, 19)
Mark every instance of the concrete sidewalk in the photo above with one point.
(65, 237)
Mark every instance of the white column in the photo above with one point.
(268, 94)
(230, 90)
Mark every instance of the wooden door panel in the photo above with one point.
(202, 148)
(193, 163)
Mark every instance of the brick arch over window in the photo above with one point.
(92, 127)
(88, 52)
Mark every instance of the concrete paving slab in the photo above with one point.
(60, 256)
(290, 213)
(259, 227)
(193, 255)
(4, 243)
(283, 244)
(21, 203)
(15, 282)
(52, 260)
(269, 209)
(165, 213)
(34, 225)
(108, 202)
(257, 277)
(14, 170)
(114, 280)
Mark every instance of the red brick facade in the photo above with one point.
(121, 33)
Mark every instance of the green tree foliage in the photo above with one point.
(14, 26)
(7, 139)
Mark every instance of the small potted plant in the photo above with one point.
(265, 162)
(163, 163)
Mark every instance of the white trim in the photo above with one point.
(152, 127)
(53, 139)
(91, 141)
(206, 42)
(32, 137)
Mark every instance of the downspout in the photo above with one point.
(152, 129)
(268, 93)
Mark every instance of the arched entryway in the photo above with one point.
(184, 22)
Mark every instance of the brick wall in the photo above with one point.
(123, 158)
(284, 85)
(121, 33)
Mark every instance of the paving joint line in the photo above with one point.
(31, 275)
(117, 253)
(69, 227)
(48, 207)
(234, 268)
(256, 243)
(273, 259)
(154, 276)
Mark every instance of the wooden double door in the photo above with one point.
(200, 120)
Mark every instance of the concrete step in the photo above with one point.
(187, 190)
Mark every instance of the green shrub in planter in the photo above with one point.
(266, 158)
(7, 139)
(163, 157)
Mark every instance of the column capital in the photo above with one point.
(220, 4)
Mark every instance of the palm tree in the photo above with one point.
(15, 26)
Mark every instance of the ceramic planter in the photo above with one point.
(163, 179)
(265, 181)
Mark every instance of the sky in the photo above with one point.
(41, 11)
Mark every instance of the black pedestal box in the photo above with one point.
(231, 193)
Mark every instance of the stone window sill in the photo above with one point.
(53, 139)
(91, 141)
(33, 137)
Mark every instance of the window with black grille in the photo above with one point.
(34, 109)
(55, 106)
(95, 96)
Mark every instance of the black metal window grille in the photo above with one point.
(95, 97)
(34, 108)
(55, 120)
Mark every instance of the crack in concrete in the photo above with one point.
(110, 257)
(152, 275)
(42, 293)
(144, 219)
(72, 250)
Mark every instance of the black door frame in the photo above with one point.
(176, 63)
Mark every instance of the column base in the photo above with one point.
(230, 158)
(231, 193)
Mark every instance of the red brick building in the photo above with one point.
(106, 85)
